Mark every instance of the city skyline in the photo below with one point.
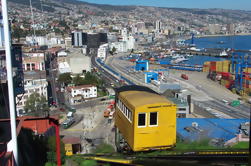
(225, 4)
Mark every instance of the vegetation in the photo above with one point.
(104, 148)
(65, 78)
(36, 104)
(89, 163)
(51, 153)
(89, 79)
(196, 145)
(112, 51)
(241, 145)
(78, 80)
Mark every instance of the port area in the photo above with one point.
(207, 95)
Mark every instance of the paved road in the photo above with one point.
(203, 90)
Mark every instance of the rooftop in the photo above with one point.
(140, 98)
(225, 129)
(79, 87)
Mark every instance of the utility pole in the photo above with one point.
(12, 145)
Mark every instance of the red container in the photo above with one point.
(212, 68)
(213, 63)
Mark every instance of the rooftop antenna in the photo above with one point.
(12, 145)
(33, 23)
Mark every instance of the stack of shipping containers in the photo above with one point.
(222, 71)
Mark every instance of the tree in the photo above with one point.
(113, 50)
(79, 80)
(51, 154)
(65, 78)
(36, 104)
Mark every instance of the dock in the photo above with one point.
(210, 52)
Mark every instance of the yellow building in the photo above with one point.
(145, 120)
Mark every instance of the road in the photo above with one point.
(203, 90)
(106, 76)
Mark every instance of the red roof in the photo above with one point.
(39, 126)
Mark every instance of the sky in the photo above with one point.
(225, 4)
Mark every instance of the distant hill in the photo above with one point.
(57, 5)
(49, 5)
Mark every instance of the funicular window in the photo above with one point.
(142, 119)
(153, 118)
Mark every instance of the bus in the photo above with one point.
(68, 122)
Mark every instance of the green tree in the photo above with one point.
(51, 154)
(36, 104)
(79, 80)
(65, 78)
(113, 50)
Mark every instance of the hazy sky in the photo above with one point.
(226, 4)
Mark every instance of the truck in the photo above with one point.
(184, 76)
(235, 103)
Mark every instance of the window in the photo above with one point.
(153, 119)
(142, 120)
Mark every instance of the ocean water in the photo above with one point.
(236, 42)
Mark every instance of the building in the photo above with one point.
(182, 101)
(79, 38)
(33, 83)
(62, 54)
(158, 26)
(79, 63)
(78, 94)
(34, 61)
(119, 46)
(64, 67)
(40, 40)
(214, 28)
(72, 145)
(92, 40)
(102, 52)
(18, 77)
(68, 42)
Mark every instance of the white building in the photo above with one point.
(78, 94)
(64, 67)
(62, 54)
(102, 52)
(84, 49)
(120, 46)
(40, 40)
(31, 86)
(158, 26)
(130, 42)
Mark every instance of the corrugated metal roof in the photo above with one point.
(71, 140)
(140, 98)
(209, 128)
